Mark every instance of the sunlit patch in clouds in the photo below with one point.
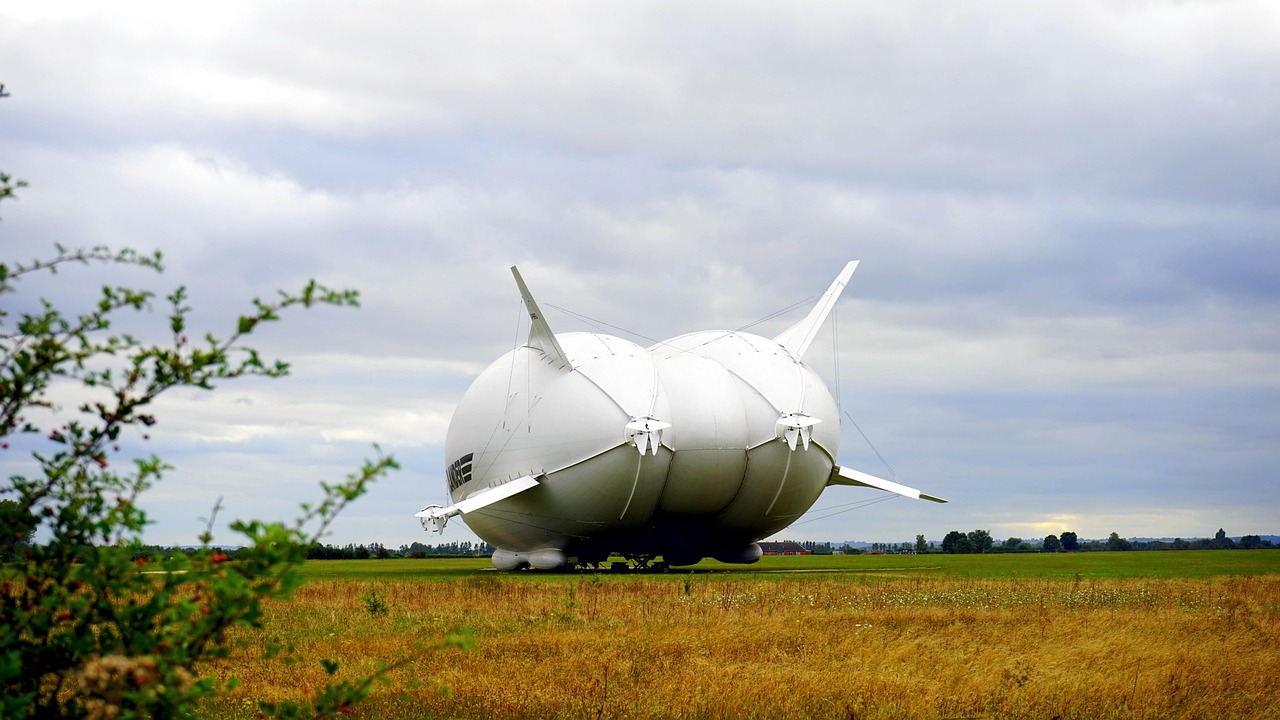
(1033, 530)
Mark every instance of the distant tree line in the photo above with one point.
(13, 545)
(378, 551)
(817, 548)
(453, 549)
(980, 541)
(879, 548)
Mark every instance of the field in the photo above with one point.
(1124, 635)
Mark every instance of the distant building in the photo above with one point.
(786, 547)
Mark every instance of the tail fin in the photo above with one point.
(540, 335)
(798, 337)
(849, 476)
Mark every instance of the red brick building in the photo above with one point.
(785, 547)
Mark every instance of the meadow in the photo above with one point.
(1092, 635)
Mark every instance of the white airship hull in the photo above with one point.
(578, 445)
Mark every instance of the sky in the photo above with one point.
(1066, 317)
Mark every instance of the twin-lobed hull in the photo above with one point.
(720, 478)
(579, 445)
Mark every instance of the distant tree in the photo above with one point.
(951, 542)
(1180, 544)
(1069, 541)
(964, 545)
(922, 545)
(1052, 544)
(1013, 543)
(1251, 542)
(981, 540)
(1115, 542)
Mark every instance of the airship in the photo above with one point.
(578, 446)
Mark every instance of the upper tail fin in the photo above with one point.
(540, 335)
(798, 337)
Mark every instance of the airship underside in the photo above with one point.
(579, 445)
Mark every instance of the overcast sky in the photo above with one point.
(1067, 315)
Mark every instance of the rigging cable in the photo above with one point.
(599, 324)
(514, 345)
(783, 311)
(857, 505)
(511, 373)
(884, 462)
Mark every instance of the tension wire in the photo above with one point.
(884, 462)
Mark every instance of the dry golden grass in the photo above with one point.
(788, 646)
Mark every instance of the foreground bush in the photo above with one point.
(85, 630)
